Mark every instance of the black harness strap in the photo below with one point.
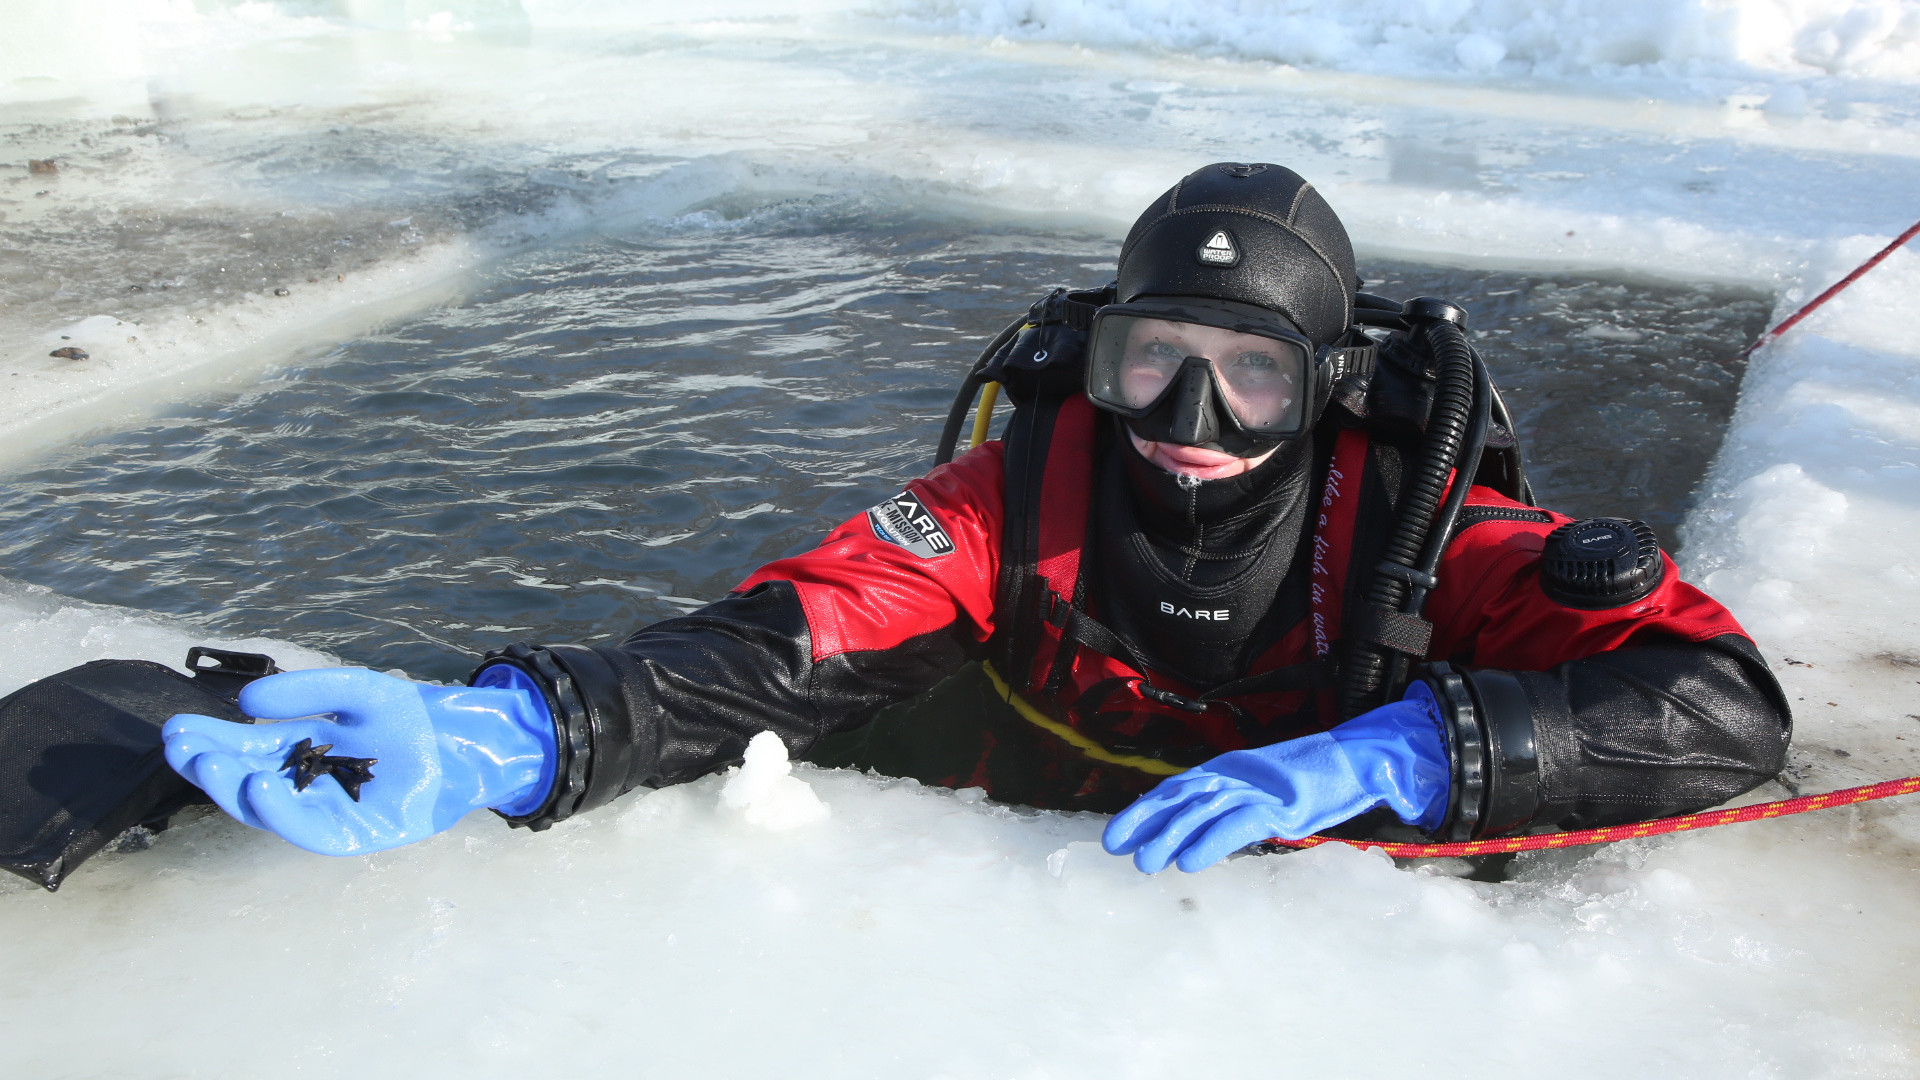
(1023, 593)
(1089, 703)
(1079, 630)
(1312, 674)
(1041, 373)
(1396, 630)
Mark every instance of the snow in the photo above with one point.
(1607, 38)
(42, 633)
(1811, 501)
(765, 791)
(735, 926)
(134, 365)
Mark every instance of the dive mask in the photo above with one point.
(1214, 374)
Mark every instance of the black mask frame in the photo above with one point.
(1192, 410)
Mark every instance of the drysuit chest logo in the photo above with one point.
(904, 522)
(1219, 250)
(1202, 614)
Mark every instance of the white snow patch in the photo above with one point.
(1804, 527)
(765, 791)
(912, 933)
(134, 366)
(42, 632)
(1586, 38)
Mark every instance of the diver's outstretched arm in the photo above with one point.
(1658, 728)
(889, 604)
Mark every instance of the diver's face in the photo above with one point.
(1257, 384)
(1259, 376)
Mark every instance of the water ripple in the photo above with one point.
(610, 433)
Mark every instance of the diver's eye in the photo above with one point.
(1256, 366)
(1162, 352)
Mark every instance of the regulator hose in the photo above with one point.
(969, 386)
(1456, 432)
(1442, 533)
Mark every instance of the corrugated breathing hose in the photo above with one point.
(1458, 411)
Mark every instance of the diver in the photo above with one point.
(1255, 557)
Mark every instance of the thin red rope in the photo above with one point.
(1833, 290)
(1656, 827)
(1577, 838)
(1843, 797)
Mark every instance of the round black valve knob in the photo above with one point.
(1601, 563)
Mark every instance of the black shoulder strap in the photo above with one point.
(1041, 368)
(1081, 630)
(1020, 596)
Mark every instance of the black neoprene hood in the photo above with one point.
(1283, 247)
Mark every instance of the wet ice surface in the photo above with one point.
(922, 932)
(609, 435)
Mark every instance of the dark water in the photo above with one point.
(615, 433)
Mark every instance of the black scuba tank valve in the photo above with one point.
(1434, 309)
(1601, 563)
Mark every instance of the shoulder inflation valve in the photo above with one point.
(1600, 563)
(81, 760)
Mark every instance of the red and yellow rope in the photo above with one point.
(1757, 812)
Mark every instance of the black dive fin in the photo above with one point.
(81, 760)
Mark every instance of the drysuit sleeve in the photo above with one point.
(1588, 717)
(886, 606)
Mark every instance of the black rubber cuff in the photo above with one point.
(1513, 759)
(1466, 751)
(572, 730)
(609, 724)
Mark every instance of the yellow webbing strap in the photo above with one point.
(983, 419)
(1086, 746)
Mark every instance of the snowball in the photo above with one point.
(765, 790)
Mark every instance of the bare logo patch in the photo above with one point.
(904, 521)
(1203, 614)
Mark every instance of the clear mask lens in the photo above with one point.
(1136, 360)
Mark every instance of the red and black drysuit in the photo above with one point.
(1588, 717)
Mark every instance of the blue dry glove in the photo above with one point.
(439, 752)
(1393, 756)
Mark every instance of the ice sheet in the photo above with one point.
(1578, 38)
(916, 932)
(42, 632)
(926, 933)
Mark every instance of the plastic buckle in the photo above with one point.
(230, 671)
(1058, 609)
(1168, 697)
(225, 662)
